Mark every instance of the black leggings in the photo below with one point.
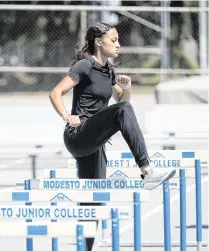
(87, 142)
(92, 134)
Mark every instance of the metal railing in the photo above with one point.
(145, 50)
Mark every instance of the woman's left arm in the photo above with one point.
(121, 90)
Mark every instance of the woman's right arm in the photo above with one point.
(56, 98)
(71, 80)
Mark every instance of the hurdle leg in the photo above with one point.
(183, 242)
(166, 215)
(104, 224)
(115, 230)
(29, 241)
(198, 204)
(54, 240)
(80, 238)
(137, 222)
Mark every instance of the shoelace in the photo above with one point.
(147, 172)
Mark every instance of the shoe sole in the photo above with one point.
(167, 177)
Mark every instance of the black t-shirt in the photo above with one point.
(94, 87)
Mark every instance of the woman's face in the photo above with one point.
(109, 44)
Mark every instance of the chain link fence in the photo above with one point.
(36, 46)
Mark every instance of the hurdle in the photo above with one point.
(61, 229)
(183, 244)
(186, 163)
(191, 161)
(100, 213)
(161, 158)
(99, 184)
(188, 166)
(121, 165)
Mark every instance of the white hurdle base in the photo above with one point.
(47, 229)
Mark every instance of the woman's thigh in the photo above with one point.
(94, 132)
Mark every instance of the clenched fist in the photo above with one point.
(123, 81)
(73, 120)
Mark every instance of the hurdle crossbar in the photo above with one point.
(112, 173)
(71, 196)
(83, 184)
(32, 212)
(43, 229)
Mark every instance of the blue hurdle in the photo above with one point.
(60, 229)
(196, 164)
(161, 158)
(188, 163)
(120, 166)
(166, 209)
(87, 196)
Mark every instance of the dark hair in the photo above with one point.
(95, 31)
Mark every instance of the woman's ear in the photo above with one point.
(98, 42)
